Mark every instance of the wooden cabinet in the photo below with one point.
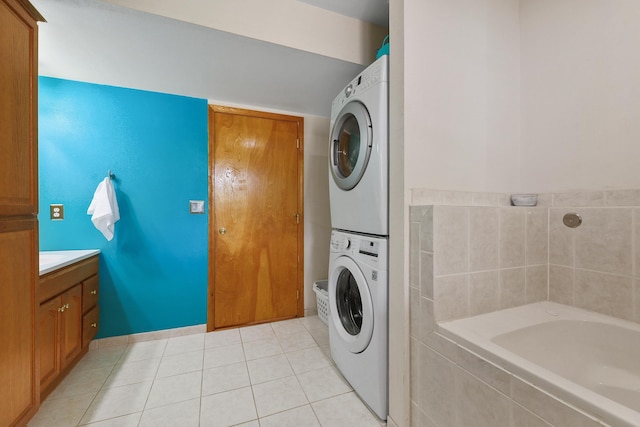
(19, 394)
(67, 319)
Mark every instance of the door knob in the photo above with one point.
(222, 230)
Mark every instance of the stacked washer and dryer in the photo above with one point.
(358, 262)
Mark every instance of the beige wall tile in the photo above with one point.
(427, 319)
(512, 287)
(484, 370)
(622, 198)
(450, 240)
(426, 230)
(561, 284)
(547, 407)
(483, 238)
(451, 297)
(537, 246)
(512, 237)
(419, 418)
(442, 345)
(636, 242)
(414, 364)
(426, 274)
(414, 312)
(524, 418)
(561, 247)
(480, 405)
(491, 199)
(537, 283)
(484, 295)
(578, 198)
(437, 388)
(414, 254)
(604, 240)
(416, 213)
(605, 293)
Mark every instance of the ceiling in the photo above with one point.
(96, 42)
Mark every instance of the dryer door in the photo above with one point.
(351, 143)
(350, 304)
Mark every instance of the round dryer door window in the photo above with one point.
(351, 143)
(350, 305)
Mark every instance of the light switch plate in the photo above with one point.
(196, 206)
(56, 212)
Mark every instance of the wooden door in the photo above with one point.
(255, 216)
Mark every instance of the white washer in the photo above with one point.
(358, 153)
(358, 325)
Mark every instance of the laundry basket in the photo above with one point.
(322, 297)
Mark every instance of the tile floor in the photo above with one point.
(277, 374)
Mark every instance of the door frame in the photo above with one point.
(213, 109)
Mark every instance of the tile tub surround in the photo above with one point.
(270, 375)
(537, 259)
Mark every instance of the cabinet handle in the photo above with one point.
(66, 306)
(94, 325)
(94, 292)
(61, 309)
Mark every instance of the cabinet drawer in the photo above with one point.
(90, 325)
(90, 293)
(58, 281)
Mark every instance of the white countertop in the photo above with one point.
(53, 260)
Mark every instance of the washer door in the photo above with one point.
(351, 142)
(350, 304)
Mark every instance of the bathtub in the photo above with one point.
(588, 360)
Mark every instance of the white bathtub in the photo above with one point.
(53, 260)
(590, 361)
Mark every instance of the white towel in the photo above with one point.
(104, 208)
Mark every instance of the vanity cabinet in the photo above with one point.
(69, 299)
(19, 394)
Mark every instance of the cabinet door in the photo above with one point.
(49, 337)
(18, 275)
(18, 109)
(71, 322)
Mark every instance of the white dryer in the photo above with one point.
(359, 153)
(358, 322)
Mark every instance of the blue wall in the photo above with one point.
(153, 274)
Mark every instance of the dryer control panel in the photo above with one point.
(370, 250)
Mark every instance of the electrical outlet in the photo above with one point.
(56, 212)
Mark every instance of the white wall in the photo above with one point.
(580, 94)
(461, 68)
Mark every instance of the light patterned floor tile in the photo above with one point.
(117, 401)
(298, 417)
(63, 412)
(222, 338)
(320, 335)
(296, 341)
(100, 358)
(183, 414)
(262, 348)
(307, 360)
(312, 322)
(143, 351)
(132, 372)
(269, 368)
(345, 410)
(220, 356)
(184, 344)
(130, 420)
(225, 378)
(278, 395)
(228, 408)
(256, 332)
(323, 383)
(82, 382)
(287, 327)
(181, 363)
(177, 388)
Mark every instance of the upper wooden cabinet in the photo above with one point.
(18, 107)
(19, 375)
